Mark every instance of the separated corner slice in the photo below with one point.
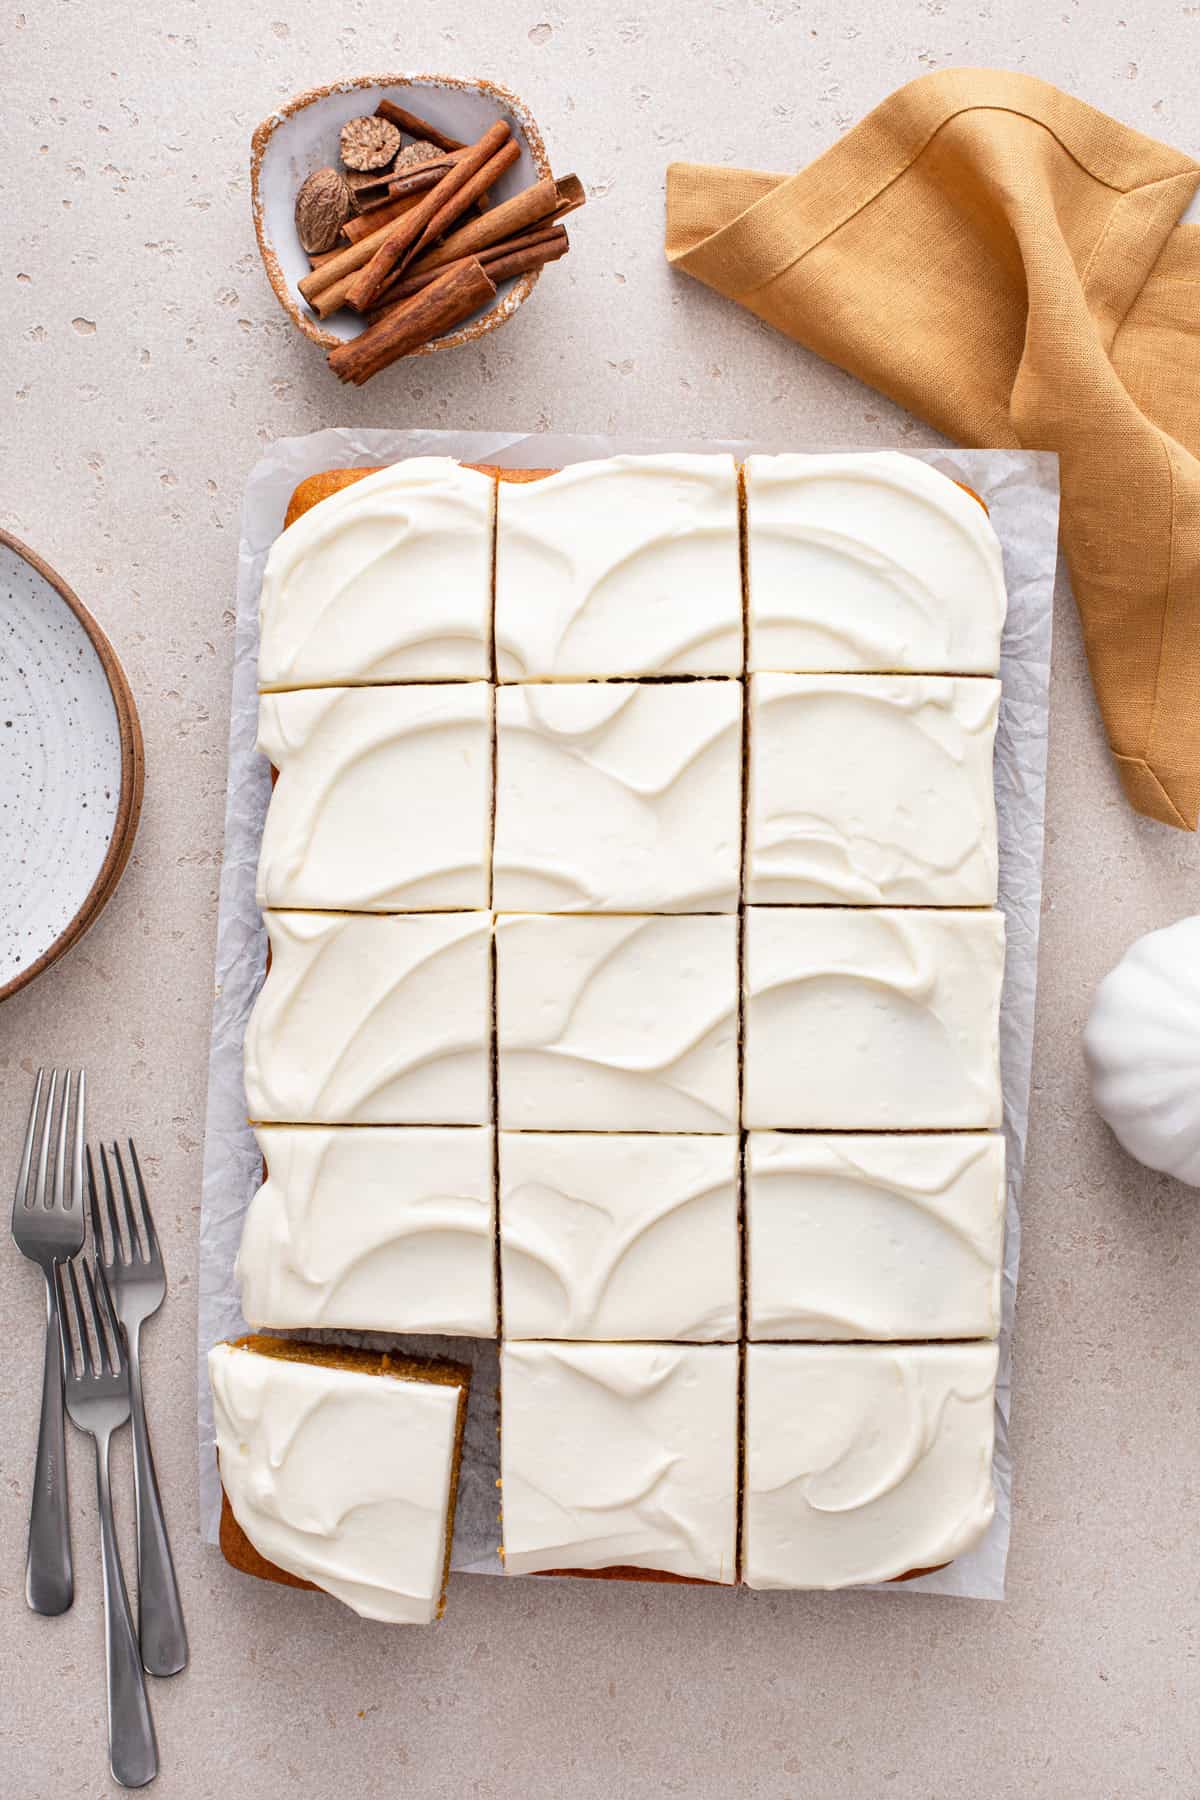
(864, 1462)
(340, 1470)
(874, 1237)
(872, 1019)
(389, 578)
(373, 1019)
(372, 1228)
(383, 801)
(869, 560)
(872, 790)
(619, 1456)
(617, 1023)
(626, 567)
(618, 796)
(616, 1237)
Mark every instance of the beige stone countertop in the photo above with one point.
(146, 363)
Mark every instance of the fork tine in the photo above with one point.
(110, 1206)
(148, 1232)
(115, 1333)
(76, 1195)
(135, 1246)
(102, 1348)
(39, 1198)
(60, 1147)
(84, 1347)
(64, 1321)
(94, 1209)
(20, 1198)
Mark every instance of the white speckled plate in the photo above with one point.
(70, 767)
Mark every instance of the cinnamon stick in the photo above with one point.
(471, 191)
(416, 127)
(345, 263)
(400, 236)
(369, 223)
(325, 289)
(356, 229)
(412, 280)
(545, 199)
(395, 187)
(523, 262)
(447, 301)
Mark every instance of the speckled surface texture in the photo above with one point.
(146, 364)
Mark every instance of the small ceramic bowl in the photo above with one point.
(303, 135)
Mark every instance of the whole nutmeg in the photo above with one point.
(416, 153)
(323, 205)
(369, 143)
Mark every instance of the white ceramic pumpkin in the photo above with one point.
(1142, 1042)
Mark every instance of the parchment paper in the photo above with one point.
(1021, 489)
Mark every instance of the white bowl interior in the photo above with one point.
(308, 139)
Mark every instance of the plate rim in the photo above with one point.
(133, 775)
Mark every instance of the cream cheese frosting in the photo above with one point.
(384, 798)
(874, 1237)
(872, 1019)
(372, 1228)
(619, 1237)
(864, 1462)
(619, 1454)
(390, 579)
(630, 566)
(341, 1478)
(372, 1019)
(619, 796)
(617, 1024)
(872, 790)
(869, 560)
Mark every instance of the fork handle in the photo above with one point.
(161, 1630)
(132, 1747)
(49, 1581)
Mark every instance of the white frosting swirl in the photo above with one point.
(864, 1462)
(869, 560)
(389, 579)
(616, 1454)
(372, 1229)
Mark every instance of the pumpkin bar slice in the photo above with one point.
(617, 1237)
(372, 1019)
(618, 796)
(629, 566)
(372, 1228)
(383, 801)
(340, 1470)
(869, 560)
(872, 1018)
(873, 1237)
(617, 1023)
(864, 1462)
(619, 1456)
(872, 790)
(389, 578)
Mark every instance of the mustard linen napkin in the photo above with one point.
(1006, 262)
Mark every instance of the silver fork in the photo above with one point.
(133, 1269)
(98, 1401)
(48, 1227)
